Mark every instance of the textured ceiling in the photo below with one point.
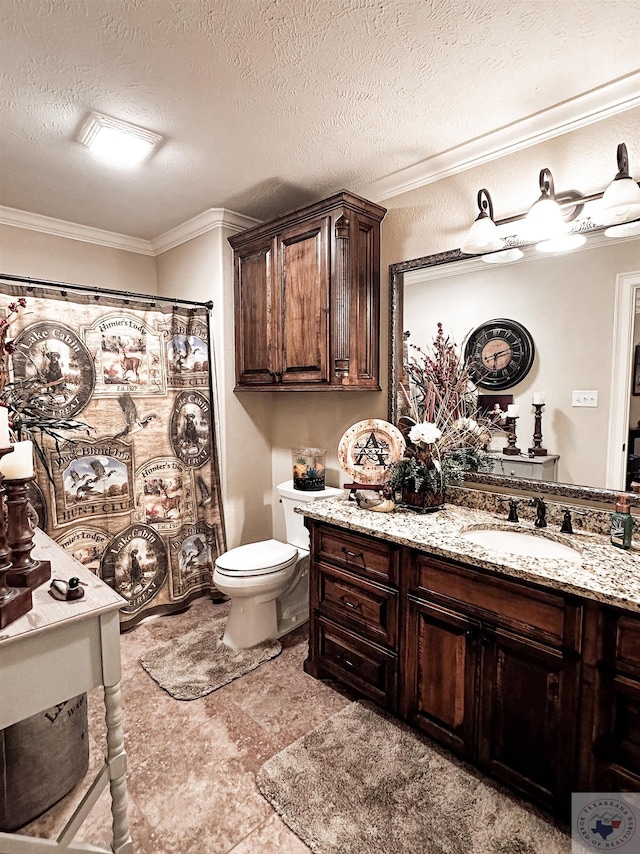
(266, 105)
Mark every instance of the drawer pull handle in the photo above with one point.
(349, 554)
(346, 661)
(357, 606)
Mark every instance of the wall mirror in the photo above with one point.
(579, 308)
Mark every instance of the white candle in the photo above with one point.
(4, 427)
(19, 464)
(538, 397)
(512, 410)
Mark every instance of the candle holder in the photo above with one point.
(26, 571)
(511, 449)
(538, 450)
(14, 602)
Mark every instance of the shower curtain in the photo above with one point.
(133, 493)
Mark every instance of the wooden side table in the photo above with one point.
(56, 651)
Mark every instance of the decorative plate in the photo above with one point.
(368, 449)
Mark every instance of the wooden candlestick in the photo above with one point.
(511, 449)
(537, 450)
(26, 571)
(14, 602)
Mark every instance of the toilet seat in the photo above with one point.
(255, 559)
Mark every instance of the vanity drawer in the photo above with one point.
(362, 605)
(372, 558)
(368, 668)
(526, 609)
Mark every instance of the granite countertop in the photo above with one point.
(604, 573)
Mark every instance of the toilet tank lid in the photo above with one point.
(286, 490)
(268, 554)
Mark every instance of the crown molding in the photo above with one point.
(206, 221)
(73, 231)
(200, 224)
(601, 103)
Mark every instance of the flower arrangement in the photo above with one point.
(27, 421)
(446, 435)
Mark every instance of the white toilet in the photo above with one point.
(268, 582)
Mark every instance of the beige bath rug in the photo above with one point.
(364, 783)
(197, 663)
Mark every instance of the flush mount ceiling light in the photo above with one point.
(116, 141)
(483, 234)
(545, 219)
(621, 200)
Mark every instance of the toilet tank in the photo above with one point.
(297, 534)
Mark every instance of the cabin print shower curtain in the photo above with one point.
(134, 496)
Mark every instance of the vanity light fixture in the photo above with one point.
(563, 243)
(544, 220)
(483, 235)
(503, 257)
(621, 200)
(117, 141)
(625, 229)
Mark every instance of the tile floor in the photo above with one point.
(191, 764)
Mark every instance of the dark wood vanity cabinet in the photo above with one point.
(491, 669)
(536, 687)
(307, 299)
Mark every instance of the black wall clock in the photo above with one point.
(499, 353)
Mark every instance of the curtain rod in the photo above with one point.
(105, 291)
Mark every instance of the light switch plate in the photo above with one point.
(584, 398)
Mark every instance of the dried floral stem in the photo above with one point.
(446, 433)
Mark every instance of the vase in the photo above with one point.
(426, 501)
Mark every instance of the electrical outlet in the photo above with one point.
(584, 398)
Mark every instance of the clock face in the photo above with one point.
(500, 354)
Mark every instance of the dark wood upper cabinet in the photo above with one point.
(307, 299)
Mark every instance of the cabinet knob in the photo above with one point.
(486, 640)
(470, 633)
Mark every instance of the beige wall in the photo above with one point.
(24, 252)
(202, 269)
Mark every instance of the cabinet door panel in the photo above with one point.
(441, 689)
(528, 715)
(257, 324)
(627, 650)
(618, 740)
(304, 283)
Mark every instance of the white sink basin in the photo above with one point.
(520, 543)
